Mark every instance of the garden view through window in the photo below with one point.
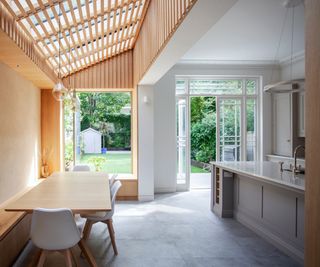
(216, 120)
(98, 133)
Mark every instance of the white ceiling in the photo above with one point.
(251, 31)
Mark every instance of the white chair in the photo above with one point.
(56, 230)
(104, 217)
(112, 179)
(81, 168)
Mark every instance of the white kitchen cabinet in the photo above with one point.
(282, 124)
(288, 123)
(301, 115)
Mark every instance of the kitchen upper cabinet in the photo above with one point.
(288, 123)
(282, 124)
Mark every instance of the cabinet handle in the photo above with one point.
(288, 140)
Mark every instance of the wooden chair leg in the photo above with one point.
(84, 248)
(42, 258)
(87, 229)
(112, 236)
(68, 257)
(75, 259)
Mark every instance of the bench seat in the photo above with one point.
(14, 234)
(8, 220)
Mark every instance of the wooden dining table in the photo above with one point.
(82, 192)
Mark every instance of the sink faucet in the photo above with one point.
(296, 169)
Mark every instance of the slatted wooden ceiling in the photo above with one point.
(90, 30)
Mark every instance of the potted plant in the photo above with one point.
(97, 162)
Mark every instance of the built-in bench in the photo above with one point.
(14, 234)
(14, 231)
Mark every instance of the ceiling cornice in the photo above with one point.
(297, 57)
(229, 63)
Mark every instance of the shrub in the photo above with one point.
(97, 162)
(203, 139)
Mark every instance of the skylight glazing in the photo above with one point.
(92, 30)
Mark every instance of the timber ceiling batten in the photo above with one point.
(162, 19)
(91, 31)
(12, 30)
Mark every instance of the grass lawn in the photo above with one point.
(120, 162)
(195, 169)
(116, 162)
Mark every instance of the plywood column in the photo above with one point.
(312, 196)
(51, 129)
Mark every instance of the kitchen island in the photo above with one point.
(263, 198)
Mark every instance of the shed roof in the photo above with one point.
(91, 130)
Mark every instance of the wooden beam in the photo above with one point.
(156, 30)
(312, 194)
(15, 58)
(41, 7)
(18, 52)
(113, 22)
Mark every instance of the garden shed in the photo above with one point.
(91, 141)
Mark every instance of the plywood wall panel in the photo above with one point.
(312, 195)
(114, 73)
(50, 129)
(161, 21)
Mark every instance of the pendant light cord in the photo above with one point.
(279, 44)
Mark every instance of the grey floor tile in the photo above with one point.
(174, 230)
(219, 262)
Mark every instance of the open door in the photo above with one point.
(183, 158)
(229, 129)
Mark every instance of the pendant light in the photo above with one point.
(59, 91)
(292, 85)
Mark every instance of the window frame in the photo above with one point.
(133, 129)
(243, 96)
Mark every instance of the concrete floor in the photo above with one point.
(200, 180)
(175, 230)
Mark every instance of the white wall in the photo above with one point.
(164, 116)
(164, 134)
(145, 143)
(20, 136)
(298, 70)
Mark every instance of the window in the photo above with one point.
(251, 132)
(99, 132)
(230, 129)
(215, 86)
(235, 118)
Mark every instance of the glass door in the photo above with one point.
(182, 143)
(229, 129)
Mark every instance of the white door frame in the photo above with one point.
(243, 98)
(186, 185)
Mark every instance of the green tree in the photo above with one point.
(100, 110)
(203, 139)
(203, 128)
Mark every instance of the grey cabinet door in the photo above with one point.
(300, 220)
(249, 197)
(279, 210)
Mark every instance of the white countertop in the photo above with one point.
(265, 170)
